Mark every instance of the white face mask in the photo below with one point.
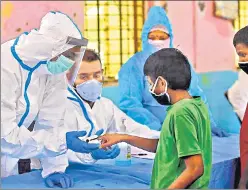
(159, 44)
(90, 90)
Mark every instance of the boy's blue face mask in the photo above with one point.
(61, 65)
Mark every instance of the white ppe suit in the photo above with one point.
(30, 90)
(238, 94)
(103, 115)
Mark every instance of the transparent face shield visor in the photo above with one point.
(73, 52)
(76, 54)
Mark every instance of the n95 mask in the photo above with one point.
(90, 90)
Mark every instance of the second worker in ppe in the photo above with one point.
(135, 100)
(237, 94)
(87, 110)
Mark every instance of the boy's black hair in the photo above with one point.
(90, 56)
(172, 65)
(241, 37)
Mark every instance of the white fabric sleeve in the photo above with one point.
(80, 157)
(54, 164)
(52, 114)
(86, 158)
(238, 94)
(19, 142)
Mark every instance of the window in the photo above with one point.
(242, 19)
(113, 29)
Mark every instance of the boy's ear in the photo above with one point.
(162, 81)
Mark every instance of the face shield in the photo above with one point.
(71, 58)
(76, 54)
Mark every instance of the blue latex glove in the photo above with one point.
(75, 144)
(106, 154)
(61, 180)
(219, 132)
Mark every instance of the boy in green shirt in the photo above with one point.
(184, 150)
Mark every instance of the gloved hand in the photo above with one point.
(75, 144)
(61, 180)
(106, 154)
(219, 132)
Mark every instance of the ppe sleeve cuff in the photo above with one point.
(56, 164)
(86, 158)
(63, 144)
(46, 173)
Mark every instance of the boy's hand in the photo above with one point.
(108, 140)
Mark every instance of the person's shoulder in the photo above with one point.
(131, 61)
(6, 50)
(106, 102)
(136, 55)
(137, 59)
(7, 58)
(7, 44)
(105, 105)
(187, 106)
(134, 65)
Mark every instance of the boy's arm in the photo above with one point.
(188, 149)
(194, 169)
(143, 143)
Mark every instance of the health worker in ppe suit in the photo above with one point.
(34, 86)
(238, 94)
(88, 110)
(136, 100)
(238, 98)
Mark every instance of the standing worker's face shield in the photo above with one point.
(69, 59)
(76, 54)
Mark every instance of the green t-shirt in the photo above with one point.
(186, 131)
